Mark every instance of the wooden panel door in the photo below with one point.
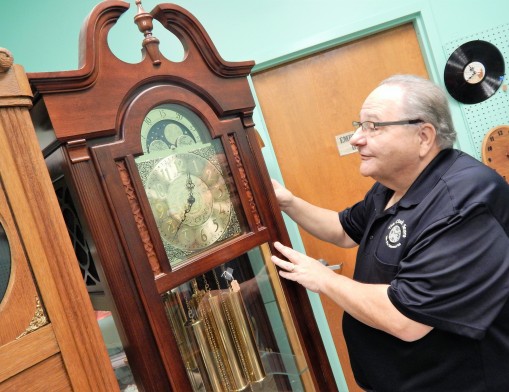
(49, 339)
(306, 104)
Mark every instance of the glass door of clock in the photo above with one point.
(233, 331)
(5, 262)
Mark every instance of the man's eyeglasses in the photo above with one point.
(372, 125)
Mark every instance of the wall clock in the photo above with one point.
(174, 208)
(495, 150)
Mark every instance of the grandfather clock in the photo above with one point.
(161, 181)
(49, 339)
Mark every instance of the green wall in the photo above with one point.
(43, 36)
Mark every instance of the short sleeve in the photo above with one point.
(456, 277)
(355, 219)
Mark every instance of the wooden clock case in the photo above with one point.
(49, 338)
(88, 122)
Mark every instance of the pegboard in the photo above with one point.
(483, 116)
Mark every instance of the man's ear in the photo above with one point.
(427, 137)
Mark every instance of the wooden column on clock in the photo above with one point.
(162, 166)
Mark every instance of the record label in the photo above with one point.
(474, 72)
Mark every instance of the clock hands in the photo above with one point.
(190, 201)
(190, 187)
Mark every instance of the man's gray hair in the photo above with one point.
(426, 101)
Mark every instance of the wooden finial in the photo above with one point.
(6, 60)
(151, 44)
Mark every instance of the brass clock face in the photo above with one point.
(187, 182)
(495, 150)
(190, 201)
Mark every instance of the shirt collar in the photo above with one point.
(426, 181)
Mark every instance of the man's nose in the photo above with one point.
(357, 137)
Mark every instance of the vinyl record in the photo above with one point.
(474, 72)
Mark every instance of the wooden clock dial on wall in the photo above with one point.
(170, 205)
(495, 150)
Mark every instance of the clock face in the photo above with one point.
(190, 200)
(187, 182)
(495, 150)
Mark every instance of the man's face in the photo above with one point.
(389, 153)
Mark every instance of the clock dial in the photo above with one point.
(187, 182)
(495, 150)
(168, 127)
(190, 201)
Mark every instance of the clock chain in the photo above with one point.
(217, 327)
(205, 316)
(231, 327)
(247, 341)
(176, 316)
(209, 379)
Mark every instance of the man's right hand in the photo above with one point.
(283, 195)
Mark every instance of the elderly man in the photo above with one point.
(428, 307)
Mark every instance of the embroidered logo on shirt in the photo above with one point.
(397, 230)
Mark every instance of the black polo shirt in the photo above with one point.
(444, 250)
